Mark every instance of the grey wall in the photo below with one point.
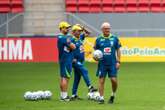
(128, 24)
(3, 18)
(15, 26)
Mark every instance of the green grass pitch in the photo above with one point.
(141, 87)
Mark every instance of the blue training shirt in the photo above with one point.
(78, 53)
(65, 53)
(108, 46)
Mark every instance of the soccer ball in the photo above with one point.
(97, 54)
(93, 96)
(38, 95)
(96, 96)
(89, 95)
(47, 94)
(27, 95)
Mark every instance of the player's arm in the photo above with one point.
(96, 46)
(86, 32)
(70, 45)
(118, 54)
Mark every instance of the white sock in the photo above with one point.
(64, 94)
(113, 94)
(73, 95)
(101, 97)
(89, 86)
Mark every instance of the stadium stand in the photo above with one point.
(11, 6)
(4, 6)
(155, 5)
(95, 6)
(143, 5)
(107, 6)
(131, 5)
(119, 6)
(163, 5)
(17, 6)
(83, 6)
(114, 6)
(71, 5)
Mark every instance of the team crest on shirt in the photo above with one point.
(112, 43)
(107, 51)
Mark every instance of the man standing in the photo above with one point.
(78, 62)
(110, 45)
(65, 48)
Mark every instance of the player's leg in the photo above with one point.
(65, 73)
(76, 82)
(101, 73)
(114, 82)
(101, 89)
(85, 75)
(64, 87)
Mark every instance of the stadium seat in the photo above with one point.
(107, 6)
(4, 6)
(4, 2)
(131, 5)
(17, 2)
(71, 2)
(17, 9)
(155, 1)
(107, 2)
(131, 1)
(163, 5)
(155, 6)
(143, 5)
(119, 6)
(95, 6)
(17, 6)
(95, 2)
(83, 2)
(71, 6)
(4, 9)
(119, 2)
(95, 9)
(83, 6)
(83, 9)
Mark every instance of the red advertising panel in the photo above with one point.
(28, 50)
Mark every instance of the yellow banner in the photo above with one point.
(146, 49)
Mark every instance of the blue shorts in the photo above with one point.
(65, 69)
(103, 70)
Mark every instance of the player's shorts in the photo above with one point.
(65, 69)
(103, 70)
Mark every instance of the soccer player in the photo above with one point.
(65, 48)
(110, 45)
(79, 69)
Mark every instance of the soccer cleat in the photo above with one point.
(101, 101)
(111, 100)
(75, 97)
(67, 99)
(92, 89)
